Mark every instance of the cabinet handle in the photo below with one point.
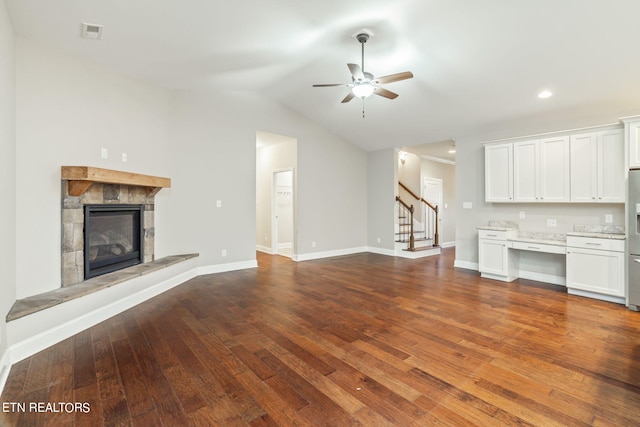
(594, 244)
(492, 235)
(532, 247)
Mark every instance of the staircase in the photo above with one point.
(415, 239)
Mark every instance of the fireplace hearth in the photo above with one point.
(113, 236)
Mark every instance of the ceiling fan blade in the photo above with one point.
(356, 71)
(331, 85)
(348, 98)
(385, 93)
(394, 77)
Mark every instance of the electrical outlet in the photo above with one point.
(124, 157)
(224, 252)
(218, 203)
(379, 240)
(608, 218)
(467, 205)
(104, 153)
(552, 223)
(522, 215)
(313, 244)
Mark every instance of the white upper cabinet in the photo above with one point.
(498, 178)
(632, 125)
(578, 167)
(541, 170)
(597, 167)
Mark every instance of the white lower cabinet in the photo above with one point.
(595, 265)
(495, 261)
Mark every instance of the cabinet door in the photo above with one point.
(498, 169)
(611, 169)
(554, 179)
(633, 134)
(493, 257)
(525, 171)
(596, 271)
(583, 167)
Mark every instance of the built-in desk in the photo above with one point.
(595, 261)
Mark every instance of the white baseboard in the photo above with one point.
(285, 245)
(221, 268)
(448, 244)
(265, 249)
(381, 251)
(609, 298)
(329, 254)
(5, 367)
(466, 265)
(541, 277)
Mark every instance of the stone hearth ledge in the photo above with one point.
(33, 304)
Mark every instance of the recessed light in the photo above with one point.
(544, 94)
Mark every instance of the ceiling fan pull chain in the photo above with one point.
(363, 108)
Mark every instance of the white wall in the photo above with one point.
(382, 179)
(215, 157)
(7, 180)
(67, 109)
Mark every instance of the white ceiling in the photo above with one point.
(478, 64)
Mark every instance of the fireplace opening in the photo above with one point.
(113, 236)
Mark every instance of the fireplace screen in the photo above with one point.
(112, 238)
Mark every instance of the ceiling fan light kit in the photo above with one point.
(364, 84)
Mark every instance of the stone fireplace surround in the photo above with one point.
(73, 223)
(88, 185)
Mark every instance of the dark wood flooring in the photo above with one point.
(355, 340)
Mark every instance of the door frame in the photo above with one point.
(274, 210)
(439, 203)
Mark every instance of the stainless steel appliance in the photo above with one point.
(634, 239)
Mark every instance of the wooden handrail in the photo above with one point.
(436, 234)
(415, 196)
(412, 240)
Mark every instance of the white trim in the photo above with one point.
(558, 133)
(448, 244)
(265, 249)
(437, 159)
(5, 367)
(541, 277)
(221, 268)
(329, 254)
(466, 265)
(288, 245)
(609, 298)
(381, 251)
(423, 253)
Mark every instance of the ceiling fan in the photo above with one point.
(364, 84)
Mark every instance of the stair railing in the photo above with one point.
(410, 209)
(434, 209)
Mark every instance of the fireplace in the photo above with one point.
(113, 237)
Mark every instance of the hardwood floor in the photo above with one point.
(356, 340)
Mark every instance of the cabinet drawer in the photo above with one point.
(492, 235)
(595, 243)
(539, 247)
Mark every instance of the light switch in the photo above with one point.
(608, 218)
(218, 203)
(552, 223)
(467, 205)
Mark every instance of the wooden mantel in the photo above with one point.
(82, 177)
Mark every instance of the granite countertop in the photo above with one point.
(496, 228)
(615, 236)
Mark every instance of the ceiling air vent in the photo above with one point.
(91, 31)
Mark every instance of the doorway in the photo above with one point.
(282, 213)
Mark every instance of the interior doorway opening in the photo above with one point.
(282, 213)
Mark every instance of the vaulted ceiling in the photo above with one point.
(478, 64)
